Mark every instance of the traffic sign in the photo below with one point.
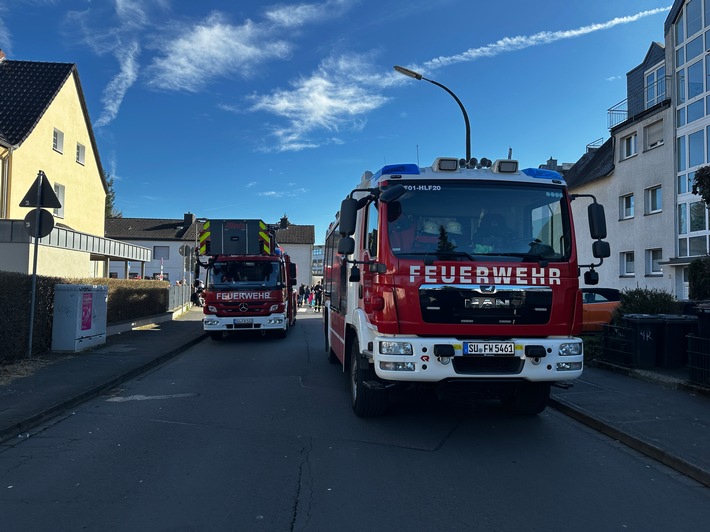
(46, 223)
(41, 194)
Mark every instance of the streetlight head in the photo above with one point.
(407, 72)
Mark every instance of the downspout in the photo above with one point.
(5, 180)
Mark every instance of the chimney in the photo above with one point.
(188, 220)
(2, 55)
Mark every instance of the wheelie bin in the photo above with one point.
(673, 351)
(646, 332)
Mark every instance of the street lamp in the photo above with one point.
(417, 75)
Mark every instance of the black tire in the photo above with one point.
(366, 402)
(216, 335)
(283, 333)
(528, 398)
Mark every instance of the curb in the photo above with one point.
(6, 433)
(656, 453)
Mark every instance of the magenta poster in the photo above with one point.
(86, 303)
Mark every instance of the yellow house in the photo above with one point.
(45, 127)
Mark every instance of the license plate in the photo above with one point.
(243, 321)
(489, 348)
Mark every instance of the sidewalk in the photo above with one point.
(73, 379)
(654, 413)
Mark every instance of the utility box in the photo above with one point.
(79, 317)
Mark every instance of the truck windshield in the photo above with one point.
(244, 274)
(480, 221)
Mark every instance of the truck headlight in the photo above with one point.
(571, 349)
(388, 347)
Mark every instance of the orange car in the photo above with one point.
(598, 307)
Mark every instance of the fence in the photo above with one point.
(699, 360)
(179, 296)
(618, 345)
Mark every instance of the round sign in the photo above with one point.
(46, 223)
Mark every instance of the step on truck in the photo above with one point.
(464, 275)
(250, 281)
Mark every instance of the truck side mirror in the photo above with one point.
(348, 217)
(597, 221)
(346, 246)
(354, 274)
(601, 249)
(591, 277)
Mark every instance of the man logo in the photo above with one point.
(488, 289)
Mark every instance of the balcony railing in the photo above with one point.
(639, 102)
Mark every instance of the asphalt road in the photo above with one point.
(257, 434)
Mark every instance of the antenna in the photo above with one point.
(417, 154)
(510, 152)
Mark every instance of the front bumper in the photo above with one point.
(272, 322)
(534, 359)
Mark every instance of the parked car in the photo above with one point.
(598, 307)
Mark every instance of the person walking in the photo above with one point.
(301, 294)
(318, 298)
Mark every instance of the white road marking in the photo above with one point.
(149, 397)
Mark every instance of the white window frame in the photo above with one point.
(653, 135)
(651, 193)
(653, 262)
(80, 153)
(626, 203)
(59, 190)
(629, 146)
(655, 80)
(58, 141)
(624, 264)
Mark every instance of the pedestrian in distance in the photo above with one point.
(318, 299)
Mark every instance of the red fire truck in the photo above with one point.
(250, 281)
(463, 274)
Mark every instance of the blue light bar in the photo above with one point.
(542, 173)
(398, 169)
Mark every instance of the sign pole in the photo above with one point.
(34, 265)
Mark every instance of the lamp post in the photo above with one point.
(418, 76)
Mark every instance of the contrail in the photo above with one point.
(509, 44)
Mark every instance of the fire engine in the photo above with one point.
(250, 280)
(463, 273)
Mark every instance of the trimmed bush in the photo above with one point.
(699, 278)
(128, 299)
(647, 301)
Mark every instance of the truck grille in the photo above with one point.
(486, 304)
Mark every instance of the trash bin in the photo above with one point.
(79, 320)
(703, 312)
(646, 332)
(673, 351)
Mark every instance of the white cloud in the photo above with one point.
(335, 96)
(344, 89)
(116, 90)
(212, 49)
(520, 42)
(290, 16)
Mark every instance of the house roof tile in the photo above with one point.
(28, 88)
(593, 165)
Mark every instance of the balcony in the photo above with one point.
(638, 102)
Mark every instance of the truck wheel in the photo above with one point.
(528, 398)
(283, 332)
(366, 402)
(216, 335)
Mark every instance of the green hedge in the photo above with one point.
(128, 299)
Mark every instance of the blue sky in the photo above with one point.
(236, 109)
